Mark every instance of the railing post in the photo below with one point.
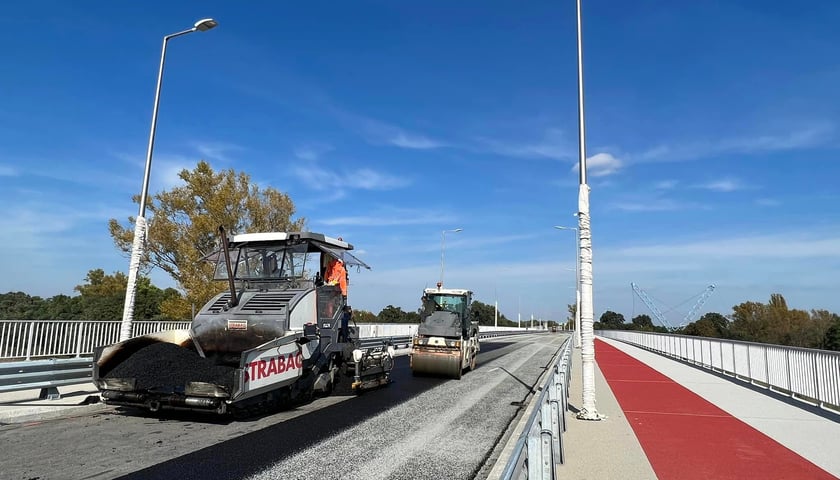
(734, 371)
(749, 365)
(767, 368)
(817, 394)
(30, 336)
(79, 328)
(787, 366)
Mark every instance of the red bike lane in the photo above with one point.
(686, 437)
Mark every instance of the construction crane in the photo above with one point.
(689, 317)
(658, 313)
(652, 306)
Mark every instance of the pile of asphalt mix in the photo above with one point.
(166, 365)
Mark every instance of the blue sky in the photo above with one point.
(712, 132)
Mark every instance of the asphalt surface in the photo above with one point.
(390, 432)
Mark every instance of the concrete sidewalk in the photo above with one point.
(24, 406)
(601, 449)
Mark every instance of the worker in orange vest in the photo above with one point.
(336, 274)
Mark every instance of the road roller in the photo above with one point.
(446, 343)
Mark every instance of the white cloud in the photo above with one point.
(601, 165)
(8, 171)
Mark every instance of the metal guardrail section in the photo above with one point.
(539, 448)
(809, 375)
(44, 374)
(34, 339)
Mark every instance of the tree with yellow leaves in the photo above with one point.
(183, 224)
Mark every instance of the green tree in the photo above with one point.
(183, 227)
(642, 322)
(832, 336)
(392, 314)
(21, 306)
(102, 297)
(611, 321)
(64, 307)
(485, 314)
(570, 320)
(713, 325)
(364, 316)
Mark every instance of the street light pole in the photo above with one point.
(577, 282)
(140, 223)
(587, 335)
(442, 248)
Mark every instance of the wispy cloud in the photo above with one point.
(767, 202)
(8, 171)
(319, 178)
(390, 218)
(311, 152)
(724, 185)
(654, 205)
(378, 132)
(601, 165)
(666, 185)
(552, 144)
(764, 246)
(809, 137)
(217, 151)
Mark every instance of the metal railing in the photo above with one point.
(539, 448)
(809, 375)
(23, 340)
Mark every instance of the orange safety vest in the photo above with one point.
(336, 273)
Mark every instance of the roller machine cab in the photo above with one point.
(278, 335)
(447, 339)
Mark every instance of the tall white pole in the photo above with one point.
(137, 246)
(587, 351)
(577, 290)
(496, 323)
(519, 312)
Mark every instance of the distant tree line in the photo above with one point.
(772, 322)
(101, 297)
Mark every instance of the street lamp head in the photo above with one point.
(205, 24)
(559, 227)
(458, 230)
